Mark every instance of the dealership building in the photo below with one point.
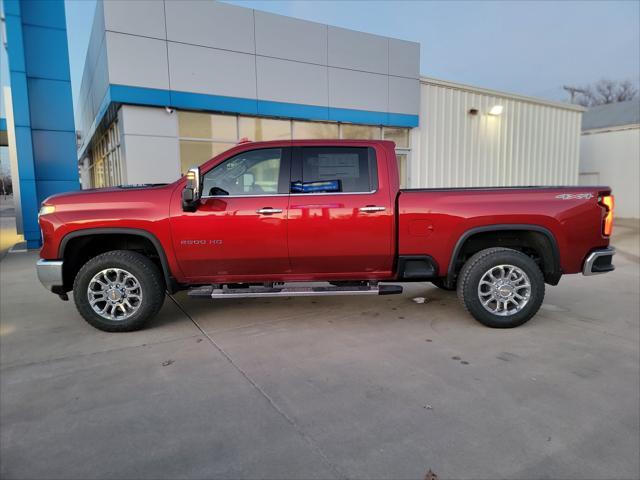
(170, 84)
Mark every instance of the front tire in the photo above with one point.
(118, 291)
(501, 287)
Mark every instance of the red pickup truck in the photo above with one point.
(262, 218)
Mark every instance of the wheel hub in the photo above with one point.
(504, 290)
(114, 294)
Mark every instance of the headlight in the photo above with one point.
(46, 209)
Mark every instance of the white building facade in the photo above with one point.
(168, 85)
(471, 136)
(610, 153)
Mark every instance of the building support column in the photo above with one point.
(42, 105)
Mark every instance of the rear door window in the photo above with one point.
(335, 170)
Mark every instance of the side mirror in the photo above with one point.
(191, 192)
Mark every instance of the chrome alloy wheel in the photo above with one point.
(114, 294)
(504, 290)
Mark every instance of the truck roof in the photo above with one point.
(314, 142)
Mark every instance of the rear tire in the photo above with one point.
(501, 287)
(118, 291)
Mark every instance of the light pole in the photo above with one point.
(573, 90)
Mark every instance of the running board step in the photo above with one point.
(248, 292)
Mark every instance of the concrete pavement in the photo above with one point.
(347, 387)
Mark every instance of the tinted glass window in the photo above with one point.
(336, 169)
(250, 173)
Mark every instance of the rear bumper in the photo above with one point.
(50, 274)
(599, 261)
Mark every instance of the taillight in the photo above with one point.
(607, 201)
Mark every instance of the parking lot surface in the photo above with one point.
(344, 387)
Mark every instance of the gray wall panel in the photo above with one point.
(290, 38)
(358, 90)
(138, 17)
(404, 94)
(292, 82)
(404, 58)
(212, 71)
(151, 159)
(85, 113)
(137, 61)
(158, 122)
(210, 24)
(358, 51)
(207, 47)
(100, 81)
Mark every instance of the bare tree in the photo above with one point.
(6, 187)
(603, 92)
(627, 91)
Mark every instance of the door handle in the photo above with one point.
(371, 209)
(269, 211)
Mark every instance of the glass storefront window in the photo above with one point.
(106, 167)
(193, 153)
(311, 130)
(257, 129)
(402, 168)
(223, 131)
(360, 132)
(398, 135)
(204, 125)
(98, 174)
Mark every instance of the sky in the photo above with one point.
(526, 47)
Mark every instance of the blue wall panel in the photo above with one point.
(50, 104)
(45, 51)
(13, 27)
(46, 13)
(199, 101)
(42, 105)
(11, 7)
(139, 95)
(403, 119)
(46, 188)
(48, 147)
(24, 148)
(358, 116)
(292, 110)
(20, 92)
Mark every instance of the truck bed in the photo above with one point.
(439, 217)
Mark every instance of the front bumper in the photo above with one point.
(599, 261)
(50, 274)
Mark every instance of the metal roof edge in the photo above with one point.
(613, 128)
(497, 93)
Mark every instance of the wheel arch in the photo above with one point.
(122, 233)
(551, 261)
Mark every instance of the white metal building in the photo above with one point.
(610, 153)
(170, 84)
(470, 136)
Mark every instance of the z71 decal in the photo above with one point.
(575, 196)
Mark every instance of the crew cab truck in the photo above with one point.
(262, 217)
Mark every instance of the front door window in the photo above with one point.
(252, 173)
